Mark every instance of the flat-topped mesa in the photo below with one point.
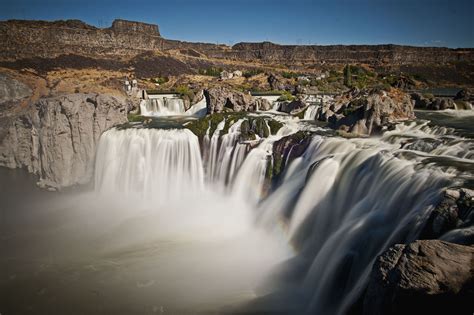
(125, 39)
(119, 25)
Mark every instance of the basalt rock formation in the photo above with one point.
(220, 98)
(424, 277)
(56, 138)
(366, 112)
(27, 39)
(455, 213)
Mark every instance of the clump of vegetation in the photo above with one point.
(159, 80)
(429, 96)
(135, 118)
(289, 75)
(252, 72)
(279, 156)
(357, 76)
(286, 97)
(274, 125)
(211, 71)
(184, 91)
(303, 82)
(200, 126)
(251, 127)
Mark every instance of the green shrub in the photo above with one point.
(252, 72)
(184, 91)
(211, 71)
(303, 82)
(286, 96)
(289, 75)
(160, 80)
(428, 96)
(134, 117)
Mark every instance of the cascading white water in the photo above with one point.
(341, 203)
(311, 112)
(212, 166)
(157, 163)
(225, 157)
(199, 109)
(434, 140)
(345, 202)
(249, 180)
(166, 106)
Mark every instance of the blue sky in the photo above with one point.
(411, 22)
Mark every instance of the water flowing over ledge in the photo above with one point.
(339, 204)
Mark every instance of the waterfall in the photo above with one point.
(340, 204)
(251, 176)
(311, 112)
(157, 163)
(226, 150)
(344, 203)
(199, 109)
(164, 106)
(212, 166)
(434, 140)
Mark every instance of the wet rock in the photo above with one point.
(441, 103)
(260, 104)
(288, 107)
(220, 98)
(454, 212)
(57, 137)
(463, 95)
(424, 277)
(419, 101)
(463, 105)
(286, 150)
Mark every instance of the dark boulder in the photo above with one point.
(455, 211)
(424, 277)
(419, 101)
(441, 103)
(260, 104)
(463, 95)
(288, 107)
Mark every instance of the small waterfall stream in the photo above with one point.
(166, 106)
(311, 112)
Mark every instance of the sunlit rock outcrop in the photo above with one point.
(56, 139)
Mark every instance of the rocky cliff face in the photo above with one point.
(56, 138)
(12, 90)
(26, 39)
(368, 54)
(125, 26)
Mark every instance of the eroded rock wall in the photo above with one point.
(57, 137)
